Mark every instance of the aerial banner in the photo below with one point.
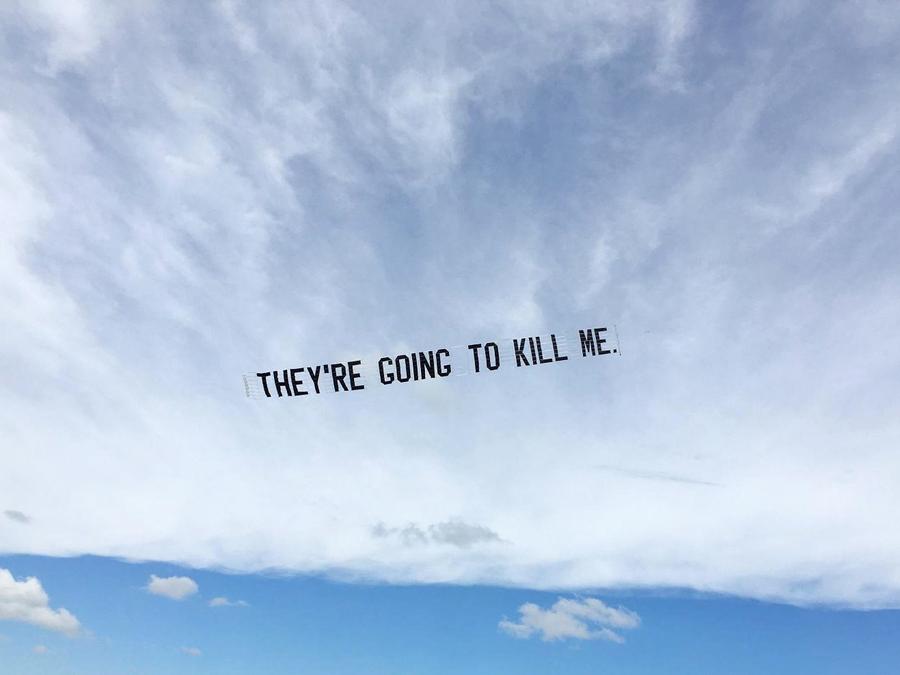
(436, 362)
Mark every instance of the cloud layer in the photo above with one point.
(188, 198)
(452, 532)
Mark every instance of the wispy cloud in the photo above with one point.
(225, 602)
(654, 475)
(17, 516)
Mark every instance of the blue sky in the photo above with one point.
(310, 624)
(197, 191)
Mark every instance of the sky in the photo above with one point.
(310, 624)
(192, 192)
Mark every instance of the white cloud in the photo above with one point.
(587, 619)
(40, 649)
(174, 588)
(225, 602)
(191, 651)
(26, 601)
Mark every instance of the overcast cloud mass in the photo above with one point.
(195, 191)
